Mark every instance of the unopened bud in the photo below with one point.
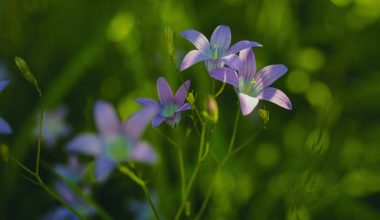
(212, 111)
(190, 98)
(169, 37)
(4, 151)
(264, 114)
(25, 71)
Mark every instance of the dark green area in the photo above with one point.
(319, 161)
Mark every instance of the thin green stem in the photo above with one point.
(39, 142)
(171, 141)
(198, 114)
(200, 152)
(220, 90)
(182, 174)
(142, 183)
(247, 141)
(40, 183)
(220, 165)
(208, 195)
(79, 192)
(55, 196)
(194, 174)
(22, 166)
(233, 137)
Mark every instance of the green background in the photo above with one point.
(319, 161)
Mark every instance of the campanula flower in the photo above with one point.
(252, 86)
(215, 53)
(73, 172)
(4, 126)
(116, 142)
(170, 106)
(54, 126)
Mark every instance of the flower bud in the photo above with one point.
(4, 151)
(190, 98)
(264, 114)
(169, 37)
(212, 111)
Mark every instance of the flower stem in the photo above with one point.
(39, 142)
(220, 90)
(194, 174)
(182, 174)
(55, 196)
(38, 181)
(220, 166)
(236, 150)
(140, 182)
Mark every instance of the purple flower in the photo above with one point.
(251, 85)
(170, 106)
(54, 126)
(4, 126)
(215, 53)
(74, 172)
(116, 142)
(62, 213)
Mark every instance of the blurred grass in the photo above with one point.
(319, 161)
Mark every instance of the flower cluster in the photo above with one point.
(239, 71)
(117, 143)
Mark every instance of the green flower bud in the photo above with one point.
(211, 109)
(4, 151)
(190, 98)
(264, 114)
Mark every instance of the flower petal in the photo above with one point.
(86, 144)
(164, 91)
(192, 58)
(181, 93)
(221, 39)
(4, 127)
(232, 61)
(226, 75)
(247, 103)
(103, 168)
(276, 96)
(146, 102)
(143, 152)
(106, 119)
(65, 192)
(184, 107)
(3, 84)
(136, 123)
(248, 60)
(157, 121)
(267, 75)
(197, 39)
(241, 45)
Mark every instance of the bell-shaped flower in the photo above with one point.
(74, 172)
(253, 86)
(216, 53)
(54, 126)
(170, 106)
(4, 126)
(116, 142)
